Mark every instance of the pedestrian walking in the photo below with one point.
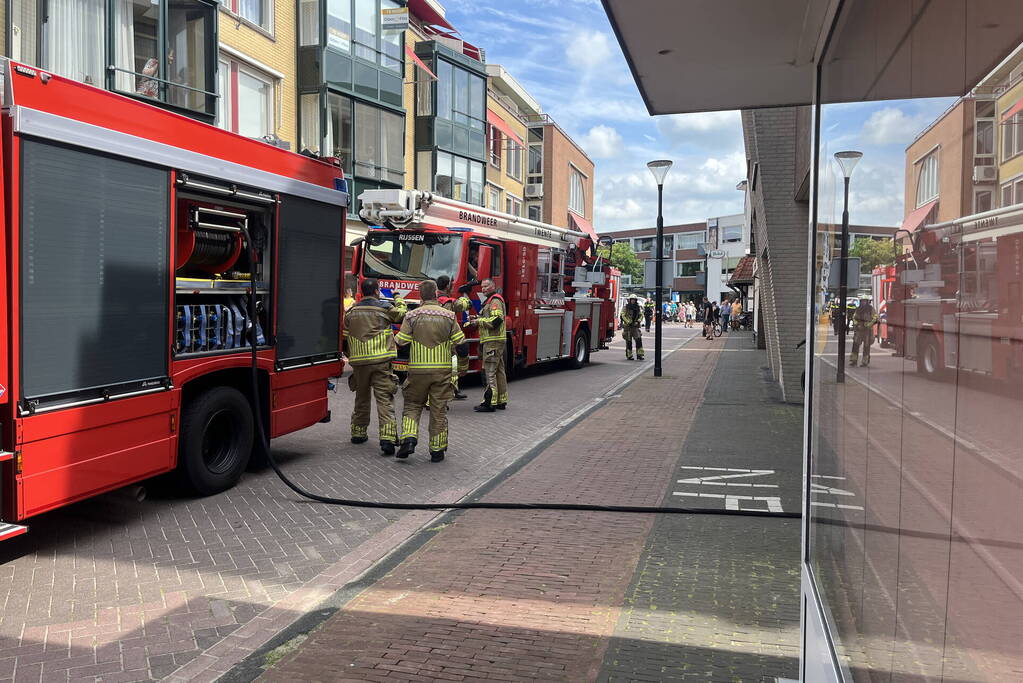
(648, 312)
(432, 332)
(726, 313)
(736, 313)
(459, 306)
(863, 320)
(493, 342)
(631, 319)
(369, 346)
(690, 313)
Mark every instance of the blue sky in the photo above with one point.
(565, 54)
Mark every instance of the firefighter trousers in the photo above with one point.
(374, 381)
(864, 336)
(431, 388)
(633, 334)
(496, 392)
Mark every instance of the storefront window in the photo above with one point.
(916, 484)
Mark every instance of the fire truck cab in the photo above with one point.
(125, 325)
(957, 300)
(559, 294)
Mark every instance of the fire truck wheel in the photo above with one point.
(216, 440)
(928, 357)
(580, 350)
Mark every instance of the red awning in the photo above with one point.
(1013, 110)
(415, 58)
(915, 219)
(743, 273)
(499, 123)
(427, 14)
(584, 226)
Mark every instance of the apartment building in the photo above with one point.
(683, 244)
(559, 175)
(508, 103)
(1006, 86)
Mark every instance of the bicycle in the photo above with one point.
(716, 329)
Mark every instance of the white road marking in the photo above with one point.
(734, 502)
(715, 479)
(836, 505)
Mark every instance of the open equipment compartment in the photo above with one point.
(213, 267)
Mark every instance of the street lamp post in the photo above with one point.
(659, 169)
(847, 162)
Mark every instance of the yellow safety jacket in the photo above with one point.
(632, 316)
(367, 330)
(491, 320)
(432, 332)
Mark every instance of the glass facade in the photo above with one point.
(914, 543)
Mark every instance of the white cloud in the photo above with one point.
(602, 142)
(717, 129)
(588, 49)
(891, 126)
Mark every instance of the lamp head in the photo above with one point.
(660, 169)
(847, 161)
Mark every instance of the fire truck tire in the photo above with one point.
(928, 357)
(580, 350)
(216, 440)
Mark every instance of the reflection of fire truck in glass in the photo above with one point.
(559, 294)
(955, 303)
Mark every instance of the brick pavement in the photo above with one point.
(113, 590)
(520, 595)
(717, 598)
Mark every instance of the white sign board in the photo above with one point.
(394, 18)
(650, 273)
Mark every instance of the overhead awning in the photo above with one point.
(584, 226)
(743, 273)
(497, 122)
(428, 14)
(714, 55)
(1013, 110)
(918, 216)
(411, 54)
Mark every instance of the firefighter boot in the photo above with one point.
(408, 447)
(487, 405)
(853, 360)
(436, 456)
(359, 434)
(639, 355)
(387, 447)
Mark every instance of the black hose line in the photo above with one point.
(264, 444)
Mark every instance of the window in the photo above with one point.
(246, 103)
(689, 240)
(339, 25)
(495, 146)
(1007, 195)
(459, 178)
(379, 144)
(927, 179)
(576, 197)
(535, 212)
(731, 233)
(643, 244)
(461, 96)
(985, 137)
(391, 42)
(493, 197)
(514, 168)
(688, 268)
(535, 162)
(309, 22)
(983, 200)
(258, 12)
(1017, 133)
(513, 205)
(1018, 198)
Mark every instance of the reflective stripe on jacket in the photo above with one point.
(367, 330)
(431, 331)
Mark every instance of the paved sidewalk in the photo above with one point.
(113, 590)
(516, 596)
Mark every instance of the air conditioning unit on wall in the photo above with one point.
(533, 190)
(985, 174)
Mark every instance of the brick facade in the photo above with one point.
(781, 226)
(560, 155)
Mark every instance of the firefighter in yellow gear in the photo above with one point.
(432, 332)
(632, 321)
(370, 348)
(459, 306)
(493, 342)
(863, 320)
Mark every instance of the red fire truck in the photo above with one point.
(882, 279)
(559, 293)
(957, 301)
(125, 349)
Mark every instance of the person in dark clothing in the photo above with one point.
(648, 312)
(708, 318)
